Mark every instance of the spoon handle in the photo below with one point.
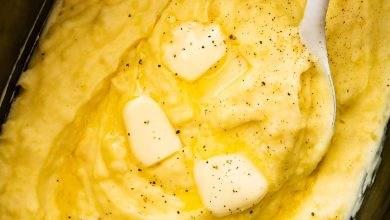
(312, 31)
(312, 34)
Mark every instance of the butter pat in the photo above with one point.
(229, 183)
(194, 49)
(151, 135)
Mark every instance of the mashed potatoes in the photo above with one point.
(64, 151)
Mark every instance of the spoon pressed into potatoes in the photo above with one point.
(312, 33)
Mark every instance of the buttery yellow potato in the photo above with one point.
(64, 150)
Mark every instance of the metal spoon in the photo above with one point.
(312, 33)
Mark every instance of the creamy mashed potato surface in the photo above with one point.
(65, 153)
